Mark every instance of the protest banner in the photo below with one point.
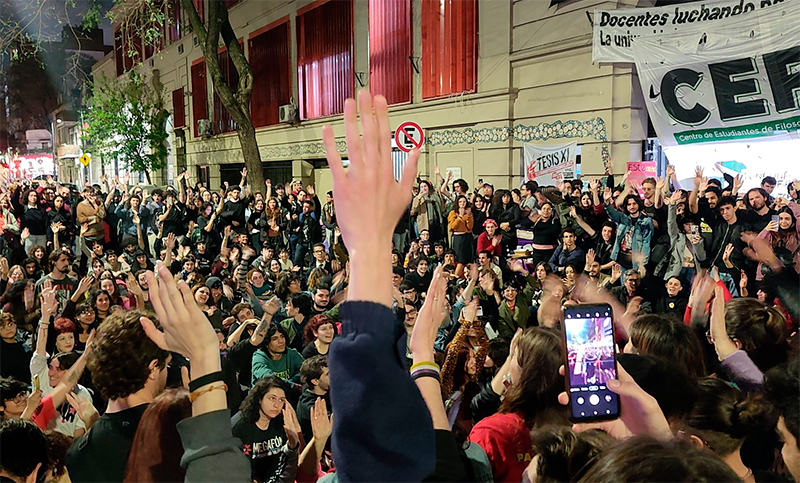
(731, 81)
(615, 31)
(549, 165)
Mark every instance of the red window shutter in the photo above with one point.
(272, 82)
(198, 5)
(199, 94)
(389, 49)
(118, 54)
(449, 47)
(222, 118)
(325, 58)
(178, 108)
(174, 15)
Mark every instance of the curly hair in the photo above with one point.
(121, 354)
(457, 355)
(251, 406)
(313, 325)
(317, 277)
(63, 325)
(282, 285)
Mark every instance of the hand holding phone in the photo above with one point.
(35, 382)
(591, 362)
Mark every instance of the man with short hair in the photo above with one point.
(529, 203)
(768, 184)
(316, 384)
(129, 370)
(420, 278)
(233, 210)
(299, 310)
(568, 253)
(729, 232)
(307, 231)
(319, 260)
(24, 458)
(630, 289)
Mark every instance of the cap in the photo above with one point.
(213, 282)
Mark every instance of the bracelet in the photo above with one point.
(194, 395)
(204, 380)
(426, 373)
(425, 364)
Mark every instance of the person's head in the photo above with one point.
(425, 187)
(235, 191)
(594, 269)
(424, 235)
(632, 204)
(59, 262)
(8, 327)
(786, 220)
(756, 199)
(646, 459)
(649, 187)
(124, 360)
(314, 374)
(781, 386)
(288, 283)
(150, 457)
(265, 400)
(674, 286)
(632, 280)
(568, 238)
(24, 458)
(460, 186)
(461, 202)
(101, 301)
(30, 266)
(108, 285)
(510, 292)
(668, 338)
(256, 277)
(319, 327)
(59, 365)
(485, 259)
(15, 274)
(546, 210)
(275, 340)
(479, 203)
(535, 381)
(319, 252)
(322, 296)
(308, 206)
(274, 267)
(408, 291)
(542, 270)
(85, 314)
(768, 184)
(202, 294)
(570, 271)
(727, 208)
(299, 304)
(31, 197)
(421, 267)
(490, 226)
(505, 197)
(438, 249)
(242, 311)
(723, 416)
(586, 200)
(528, 188)
(37, 253)
(13, 398)
(449, 257)
(758, 329)
(64, 330)
(562, 454)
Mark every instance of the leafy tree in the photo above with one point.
(127, 120)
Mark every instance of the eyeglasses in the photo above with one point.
(19, 398)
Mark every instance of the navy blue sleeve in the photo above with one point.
(382, 428)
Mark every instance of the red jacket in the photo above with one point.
(507, 442)
(484, 243)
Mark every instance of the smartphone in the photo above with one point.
(35, 382)
(480, 181)
(775, 219)
(591, 362)
(695, 230)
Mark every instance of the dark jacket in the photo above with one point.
(304, 405)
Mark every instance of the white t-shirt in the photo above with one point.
(66, 421)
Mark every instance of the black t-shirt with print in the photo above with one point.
(264, 448)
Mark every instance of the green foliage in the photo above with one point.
(127, 120)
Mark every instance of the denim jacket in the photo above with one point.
(642, 229)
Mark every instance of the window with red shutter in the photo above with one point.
(178, 109)
(198, 5)
(272, 82)
(199, 94)
(449, 47)
(389, 50)
(223, 122)
(325, 57)
(173, 13)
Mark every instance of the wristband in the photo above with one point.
(426, 365)
(204, 380)
(194, 395)
(426, 373)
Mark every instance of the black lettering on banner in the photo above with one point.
(728, 89)
(785, 84)
(551, 160)
(669, 88)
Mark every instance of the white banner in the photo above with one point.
(549, 165)
(735, 80)
(615, 31)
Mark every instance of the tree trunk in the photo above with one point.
(251, 154)
(147, 175)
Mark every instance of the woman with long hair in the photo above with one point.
(153, 456)
(37, 254)
(63, 220)
(32, 216)
(530, 401)
(268, 429)
(318, 335)
(109, 284)
(101, 301)
(273, 224)
(507, 214)
(460, 223)
(546, 229)
(783, 237)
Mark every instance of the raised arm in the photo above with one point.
(586, 227)
(694, 195)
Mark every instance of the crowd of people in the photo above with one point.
(400, 331)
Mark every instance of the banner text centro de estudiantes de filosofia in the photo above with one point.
(738, 79)
(615, 31)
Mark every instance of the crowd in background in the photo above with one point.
(399, 331)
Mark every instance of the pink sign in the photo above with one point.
(640, 170)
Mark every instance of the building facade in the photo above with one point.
(481, 77)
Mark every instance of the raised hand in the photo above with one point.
(56, 227)
(3, 267)
(590, 256)
(84, 408)
(170, 242)
(607, 194)
(135, 219)
(726, 256)
(738, 181)
(675, 198)
(573, 212)
(616, 272)
(49, 303)
(430, 317)
(25, 234)
(310, 190)
(698, 176)
(670, 171)
(85, 284)
(321, 423)
(291, 425)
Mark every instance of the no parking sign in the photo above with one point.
(409, 136)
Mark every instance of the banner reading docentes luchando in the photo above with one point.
(549, 165)
(735, 80)
(615, 31)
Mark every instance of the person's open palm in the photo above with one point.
(321, 422)
(430, 316)
(368, 199)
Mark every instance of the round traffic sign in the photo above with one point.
(409, 136)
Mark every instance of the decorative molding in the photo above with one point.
(449, 137)
(298, 150)
(595, 128)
